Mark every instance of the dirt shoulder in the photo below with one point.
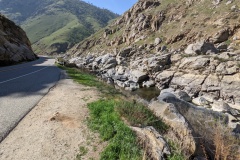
(56, 128)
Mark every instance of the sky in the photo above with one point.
(116, 6)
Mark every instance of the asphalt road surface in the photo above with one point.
(21, 88)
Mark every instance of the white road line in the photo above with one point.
(23, 75)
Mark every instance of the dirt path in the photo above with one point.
(56, 128)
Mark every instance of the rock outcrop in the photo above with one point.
(14, 44)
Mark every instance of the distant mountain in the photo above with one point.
(14, 44)
(54, 26)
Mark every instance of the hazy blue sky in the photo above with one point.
(116, 6)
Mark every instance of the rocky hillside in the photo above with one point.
(53, 26)
(14, 44)
(188, 45)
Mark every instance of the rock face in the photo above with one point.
(169, 113)
(14, 44)
(155, 145)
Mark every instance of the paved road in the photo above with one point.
(21, 88)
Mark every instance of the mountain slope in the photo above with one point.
(56, 25)
(176, 22)
(14, 44)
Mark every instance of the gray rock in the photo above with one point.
(120, 83)
(232, 121)
(222, 47)
(153, 142)
(138, 76)
(157, 41)
(191, 82)
(134, 86)
(200, 101)
(220, 106)
(120, 77)
(221, 36)
(201, 48)
(158, 63)
(164, 78)
(168, 90)
(125, 52)
(110, 81)
(149, 83)
(176, 121)
(230, 88)
(194, 63)
(211, 84)
(183, 96)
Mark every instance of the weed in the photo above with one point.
(140, 116)
(226, 145)
(83, 151)
(176, 152)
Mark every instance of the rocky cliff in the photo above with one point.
(14, 44)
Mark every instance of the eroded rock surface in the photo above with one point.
(14, 45)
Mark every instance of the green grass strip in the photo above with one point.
(90, 80)
(122, 140)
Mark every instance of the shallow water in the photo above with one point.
(147, 93)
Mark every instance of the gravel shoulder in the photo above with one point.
(56, 128)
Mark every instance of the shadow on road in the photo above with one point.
(27, 79)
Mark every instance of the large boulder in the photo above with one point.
(191, 83)
(194, 63)
(201, 48)
(177, 122)
(164, 78)
(230, 88)
(138, 76)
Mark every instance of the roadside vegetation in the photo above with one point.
(112, 114)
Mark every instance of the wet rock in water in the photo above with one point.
(200, 101)
(120, 84)
(133, 86)
(155, 145)
(167, 90)
(148, 84)
(176, 121)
